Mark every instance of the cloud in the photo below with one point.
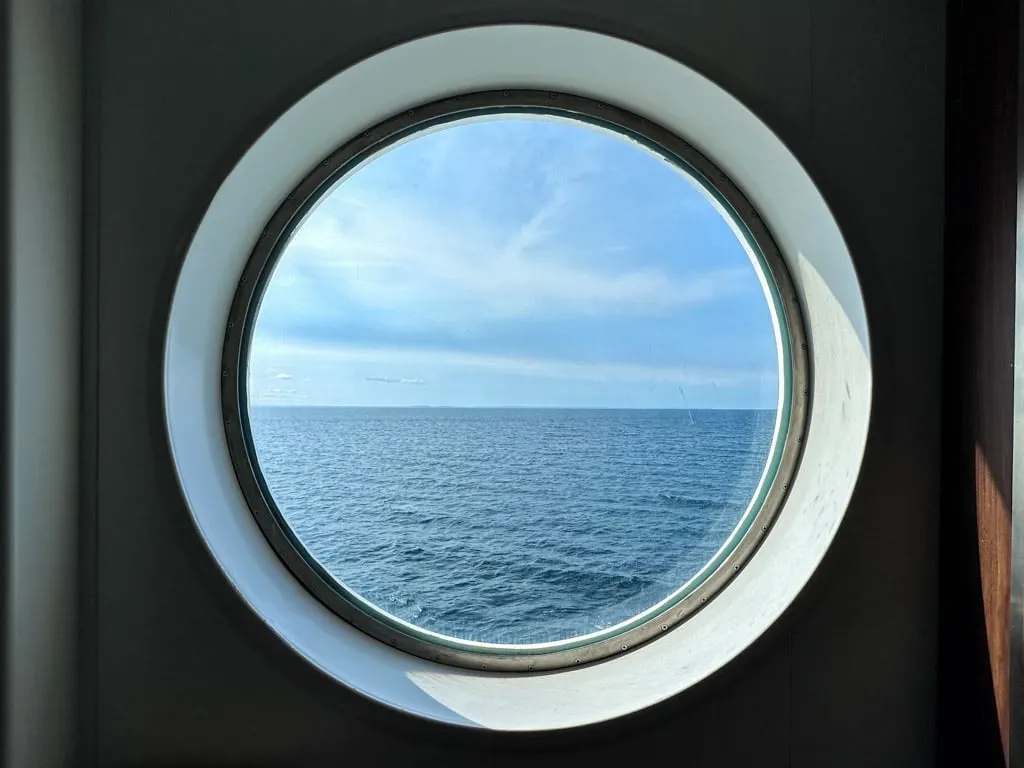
(398, 258)
(388, 380)
(282, 376)
(278, 394)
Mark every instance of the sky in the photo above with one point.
(515, 261)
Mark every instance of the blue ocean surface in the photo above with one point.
(511, 525)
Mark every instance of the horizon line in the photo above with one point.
(509, 407)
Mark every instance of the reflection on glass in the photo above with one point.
(514, 381)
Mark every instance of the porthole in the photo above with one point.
(549, 494)
(804, 253)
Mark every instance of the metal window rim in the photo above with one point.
(689, 598)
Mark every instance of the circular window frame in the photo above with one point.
(792, 402)
(611, 70)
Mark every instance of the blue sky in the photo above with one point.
(515, 262)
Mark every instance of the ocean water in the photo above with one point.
(511, 525)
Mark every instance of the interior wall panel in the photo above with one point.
(183, 675)
(875, 148)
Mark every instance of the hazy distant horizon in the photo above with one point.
(503, 407)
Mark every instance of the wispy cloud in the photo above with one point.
(402, 260)
(278, 394)
(389, 380)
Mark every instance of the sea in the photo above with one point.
(511, 525)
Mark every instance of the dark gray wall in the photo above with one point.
(177, 673)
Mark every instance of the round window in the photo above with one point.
(515, 380)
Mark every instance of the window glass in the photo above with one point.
(516, 380)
